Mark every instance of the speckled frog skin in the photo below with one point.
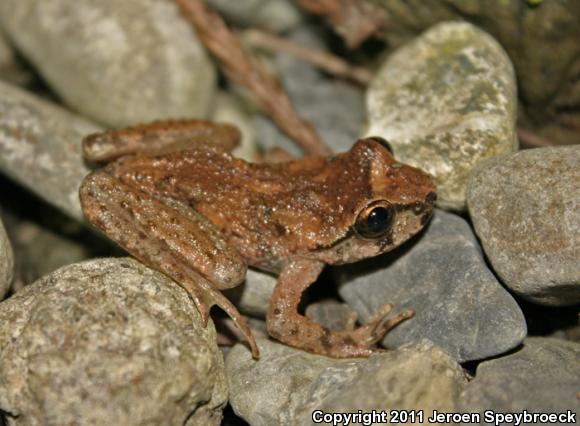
(175, 198)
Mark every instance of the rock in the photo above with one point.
(548, 81)
(228, 109)
(40, 147)
(525, 209)
(6, 262)
(445, 102)
(459, 304)
(286, 385)
(272, 15)
(253, 297)
(335, 108)
(118, 63)
(332, 315)
(108, 342)
(542, 377)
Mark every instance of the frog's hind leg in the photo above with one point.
(159, 137)
(286, 324)
(167, 241)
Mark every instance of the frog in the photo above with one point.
(173, 196)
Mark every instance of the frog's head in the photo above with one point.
(384, 202)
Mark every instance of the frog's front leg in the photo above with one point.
(184, 246)
(288, 326)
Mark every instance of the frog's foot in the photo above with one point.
(287, 325)
(379, 325)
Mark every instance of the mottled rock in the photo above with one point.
(334, 107)
(446, 101)
(542, 377)
(6, 262)
(541, 38)
(229, 109)
(273, 15)
(116, 62)
(458, 302)
(253, 296)
(108, 342)
(525, 209)
(286, 385)
(40, 147)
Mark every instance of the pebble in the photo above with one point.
(117, 62)
(445, 101)
(108, 341)
(334, 107)
(525, 208)
(229, 109)
(541, 377)
(40, 147)
(286, 385)
(442, 275)
(273, 15)
(6, 262)
(253, 296)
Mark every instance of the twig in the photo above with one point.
(354, 20)
(532, 140)
(330, 63)
(238, 67)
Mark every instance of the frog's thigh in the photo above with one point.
(159, 137)
(167, 241)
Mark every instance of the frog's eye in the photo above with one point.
(383, 142)
(375, 220)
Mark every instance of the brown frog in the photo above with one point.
(176, 199)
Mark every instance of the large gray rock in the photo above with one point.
(446, 101)
(526, 210)
(287, 385)
(117, 62)
(459, 303)
(108, 342)
(40, 147)
(542, 377)
(6, 262)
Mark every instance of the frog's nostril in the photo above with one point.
(431, 198)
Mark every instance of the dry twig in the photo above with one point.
(238, 67)
(354, 20)
(326, 61)
(532, 140)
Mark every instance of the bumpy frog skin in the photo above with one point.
(175, 198)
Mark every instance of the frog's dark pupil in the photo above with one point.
(378, 220)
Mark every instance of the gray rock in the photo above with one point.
(286, 385)
(442, 275)
(332, 315)
(273, 15)
(229, 109)
(116, 62)
(526, 210)
(446, 101)
(6, 262)
(542, 377)
(335, 108)
(253, 296)
(11, 70)
(108, 342)
(40, 147)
